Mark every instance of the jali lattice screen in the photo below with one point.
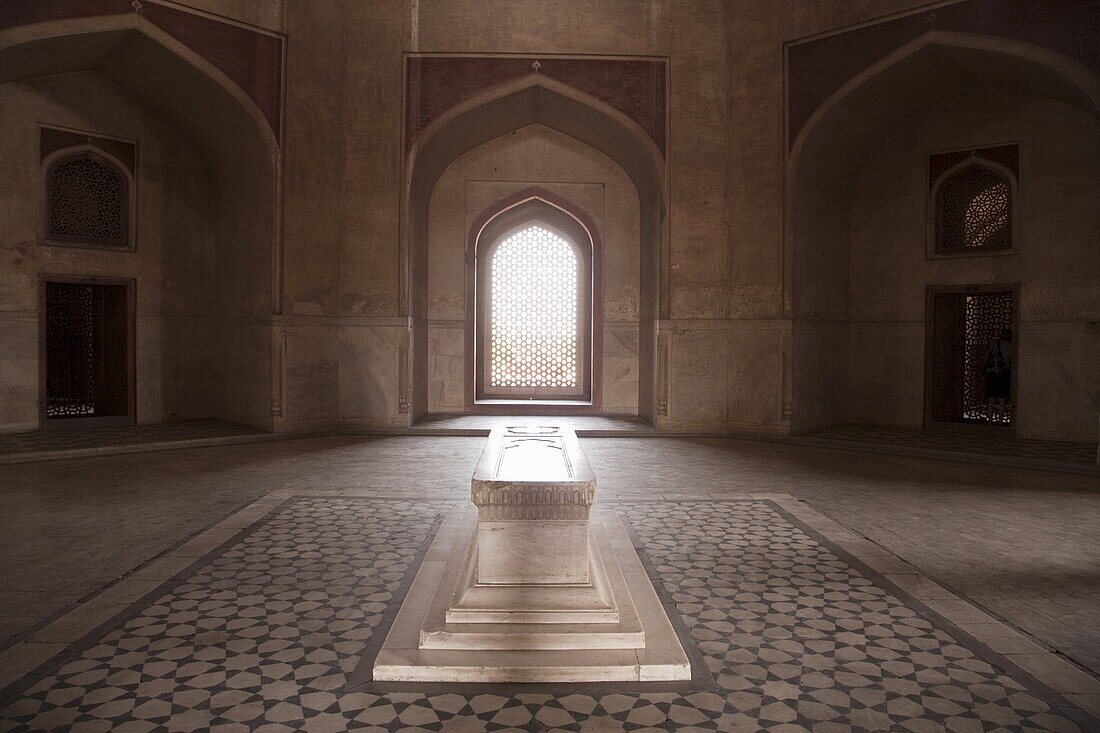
(533, 334)
(986, 316)
(974, 211)
(86, 350)
(86, 201)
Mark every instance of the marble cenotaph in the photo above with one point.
(531, 582)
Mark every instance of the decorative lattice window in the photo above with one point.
(969, 372)
(974, 210)
(534, 288)
(986, 317)
(86, 358)
(972, 204)
(533, 334)
(87, 201)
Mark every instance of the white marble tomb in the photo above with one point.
(531, 582)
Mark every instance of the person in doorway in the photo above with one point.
(998, 378)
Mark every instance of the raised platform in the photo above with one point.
(529, 583)
(1005, 451)
(966, 443)
(423, 646)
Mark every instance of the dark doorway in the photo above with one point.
(970, 375)
(87, 353)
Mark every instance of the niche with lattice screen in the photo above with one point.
(973, 202)
(533, 314)
(86, 199)
(86, 350)
(971, 335)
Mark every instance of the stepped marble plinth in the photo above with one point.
(531, 582)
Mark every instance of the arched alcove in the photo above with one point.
(568, 225)
(533, 101)
(972, 209)
(215, 122)
(70, 174)
(934, 71)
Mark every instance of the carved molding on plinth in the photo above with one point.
(533, 502)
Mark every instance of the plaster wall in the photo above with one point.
(798, 297)
(820, 277)
(1056, 262)
(532, 156)
(740, 344)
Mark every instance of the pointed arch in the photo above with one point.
(962, 59)
(832, 145)
(77, 44)
(935, 223)
(537, 206)
(238, 143)
(543, 101)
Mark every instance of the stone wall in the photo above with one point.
(533, 156)
(172, 263)
(1056, 262)
(765, 324)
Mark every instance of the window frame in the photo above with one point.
(934, 249)
(129, 200)
(49, 423)
(950, 426)
(496, 224)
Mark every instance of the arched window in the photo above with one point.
(973, 209)
(533, 318)
(86, 200)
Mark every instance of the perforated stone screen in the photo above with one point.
(974, 210)
(986, 317)
(86, 201)
(533, 334)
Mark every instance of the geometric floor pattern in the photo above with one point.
(262, 635)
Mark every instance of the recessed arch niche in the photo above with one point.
(536, 207)
(220, 124)
(827, 155)
(533, 101)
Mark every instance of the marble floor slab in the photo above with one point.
(967, 441)
(1016, 544)
(75, 441)
(796, 628)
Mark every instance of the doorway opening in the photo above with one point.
(970, 374)
(86, 334)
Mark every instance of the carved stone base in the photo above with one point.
(452, 629)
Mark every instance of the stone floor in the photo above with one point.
(967, 441)
(72, 443)
(1018, 545)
